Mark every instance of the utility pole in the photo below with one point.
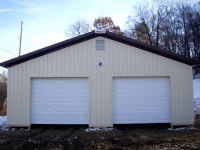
(20, 42)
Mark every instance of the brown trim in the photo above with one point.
(90, 35)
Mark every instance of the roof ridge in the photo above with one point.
(90, 35)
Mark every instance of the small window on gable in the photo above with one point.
(100, 45)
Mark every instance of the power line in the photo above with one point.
(7, 51)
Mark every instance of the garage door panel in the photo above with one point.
(142, 119)
(59, 119)
(64, 109)
(57, 114)
(59, 101)
(143, 104)
(141, 100)
(151, 108)
(140, 113)
(140, 92)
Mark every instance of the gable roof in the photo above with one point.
(90, 35)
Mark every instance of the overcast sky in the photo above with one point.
(45, 21)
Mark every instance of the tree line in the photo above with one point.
(3, 89)
(172, 26)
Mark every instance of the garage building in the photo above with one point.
(99, 79)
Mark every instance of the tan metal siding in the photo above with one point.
(119, 60)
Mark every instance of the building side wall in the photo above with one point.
(119, 60)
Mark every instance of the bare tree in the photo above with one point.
(79, 27)
(146, 25)
(3, 89)
(171, 26)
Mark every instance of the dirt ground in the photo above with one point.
(73, 137)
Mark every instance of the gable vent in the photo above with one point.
(100, 45)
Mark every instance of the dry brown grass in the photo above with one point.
(197, 121)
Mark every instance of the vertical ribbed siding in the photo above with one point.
(9, 96)
(119, 60)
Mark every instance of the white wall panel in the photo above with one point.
(119, 60)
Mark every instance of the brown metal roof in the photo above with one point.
(91, 35)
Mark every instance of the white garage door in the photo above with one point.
(59, 101)
(141, 100)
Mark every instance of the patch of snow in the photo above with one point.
(13, 129)
(23, 129)
(31, 141)
(197, 106)
(196, 88)
(3, 124)
(196, 76)
(181, 129)
(99, 129)
(75, 137)
(196, 93)
(3, 119)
